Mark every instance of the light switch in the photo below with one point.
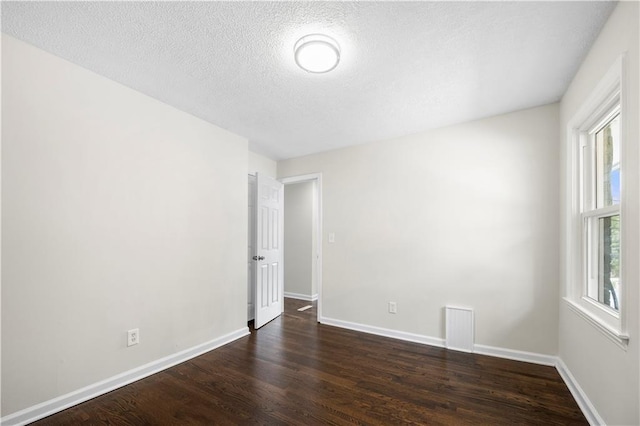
(332, 237)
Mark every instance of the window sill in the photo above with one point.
(621, 339)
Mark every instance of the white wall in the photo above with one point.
(608, 374)
(262, 164)
(298, 238)
(118, 212)
(464, 215)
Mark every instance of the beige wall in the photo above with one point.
(298, 238)
(118, 212)
(464, 215)
(608, 374)
(261, 164)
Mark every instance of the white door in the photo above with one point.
(269, 204)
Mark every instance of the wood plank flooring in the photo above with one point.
(294, 371)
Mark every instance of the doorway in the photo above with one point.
(303, 238)
(299, 242)
(315, 180)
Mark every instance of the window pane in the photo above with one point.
(607, 291)
(608, 164)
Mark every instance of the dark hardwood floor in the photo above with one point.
(295, 371)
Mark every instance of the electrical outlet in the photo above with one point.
(133, 337)
(393, 308)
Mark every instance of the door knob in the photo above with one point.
(258, 257)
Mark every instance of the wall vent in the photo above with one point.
(459, 328)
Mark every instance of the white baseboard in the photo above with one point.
(581, 398)
(299, 296)
(63, 402)
(385, 332)
(512, 354)
(515, 355)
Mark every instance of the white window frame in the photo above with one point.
(606, 101)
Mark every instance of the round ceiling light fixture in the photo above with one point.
(317, 53)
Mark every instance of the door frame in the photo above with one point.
(317, 178)
(251, 242)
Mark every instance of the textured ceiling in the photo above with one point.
(405, 67)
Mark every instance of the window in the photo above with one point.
(600, 169)
(595, 219)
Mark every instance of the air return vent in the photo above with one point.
(459, 328)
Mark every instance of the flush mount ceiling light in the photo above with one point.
(317, 53)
